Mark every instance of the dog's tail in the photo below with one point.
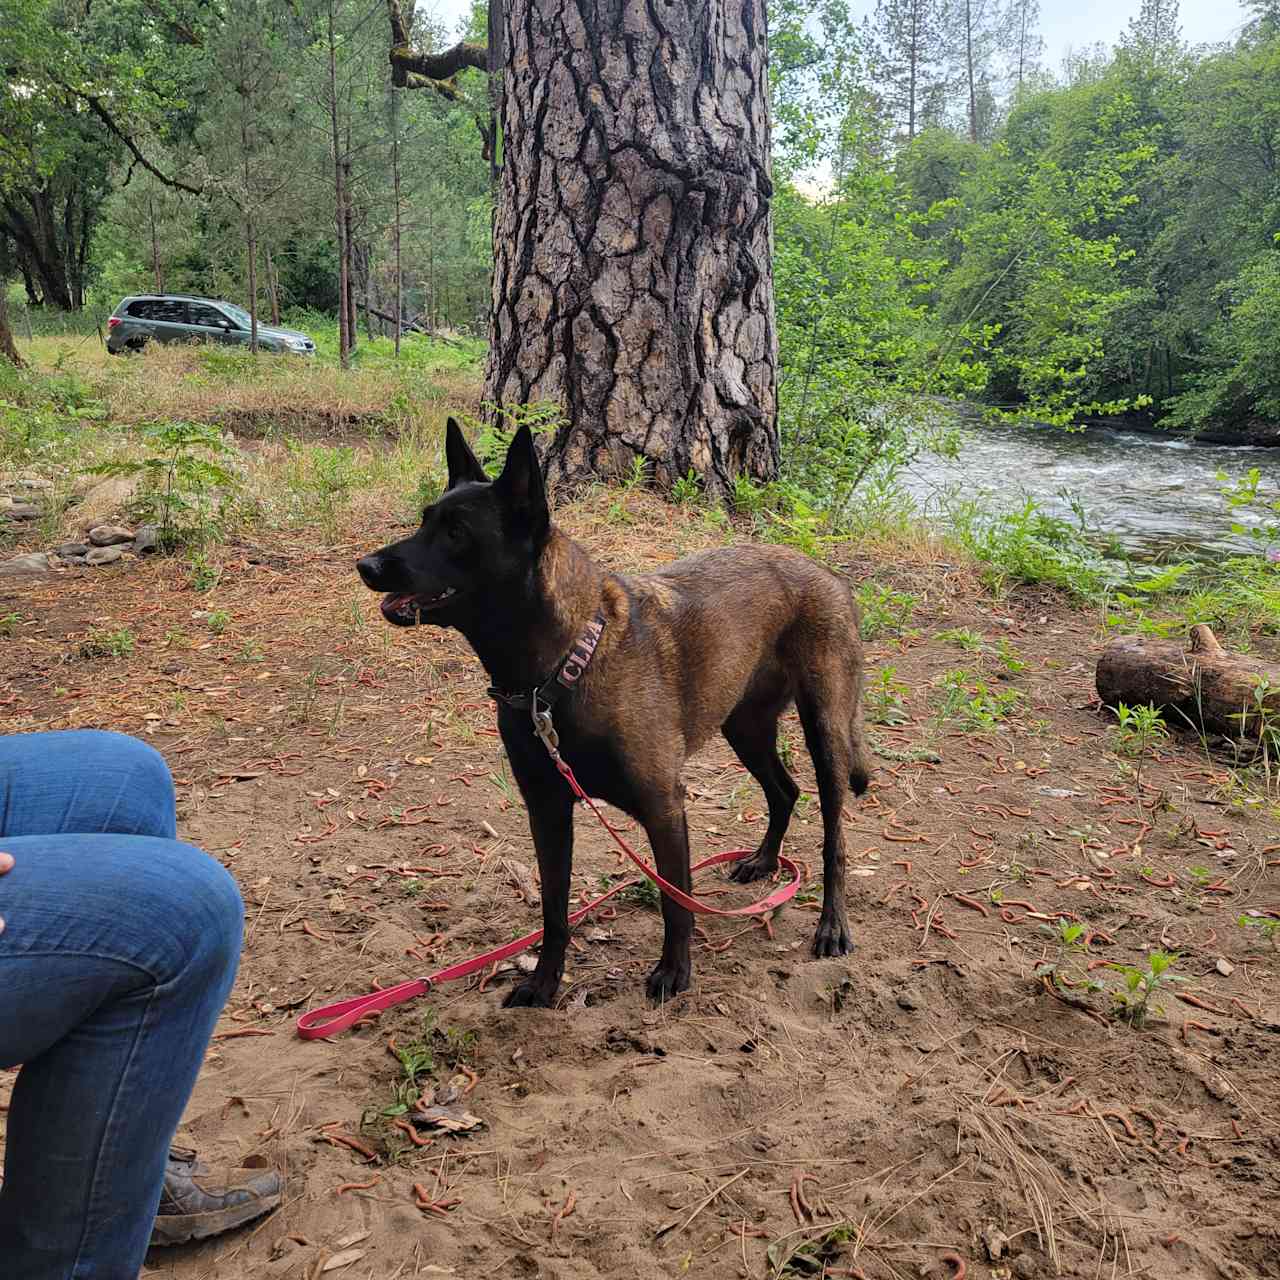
(860, 768)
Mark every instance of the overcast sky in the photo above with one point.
(1063, 23)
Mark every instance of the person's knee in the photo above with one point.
(223, 908)
(207, 902)
(147, 771)
(134, 786)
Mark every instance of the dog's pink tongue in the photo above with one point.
(393, 604)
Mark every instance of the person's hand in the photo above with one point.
(6, 864)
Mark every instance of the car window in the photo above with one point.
(140, 310)
(208, 317)
(167, 311)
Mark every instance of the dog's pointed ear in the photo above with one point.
(463, 464)
(521, 485)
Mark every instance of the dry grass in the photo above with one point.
(271, 395)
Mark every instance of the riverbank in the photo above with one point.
(1254, 433)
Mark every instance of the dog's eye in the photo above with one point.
(454, 532)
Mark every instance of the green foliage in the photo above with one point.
(972, 705)
(1266, 927)
(1068, 968)
(961, 637)
(187, 482)
(1029, 545)
(885, 697)
(320, 479)
(884, 611)
(1135, 998)
(118, 642)
(416, 1057)
(1247, 494)
(687, 489)
(490, 435)
(1138, 729)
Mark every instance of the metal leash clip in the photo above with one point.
(545, 729)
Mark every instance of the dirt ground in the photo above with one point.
(926, 1106)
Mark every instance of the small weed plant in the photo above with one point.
(1136, 998)
(187, 482)
(1068, 967)
(972, 705)
(962, 638)
(1138, 729)
(108, 643)
(885, 612)
(885, 697)
(1264, 927)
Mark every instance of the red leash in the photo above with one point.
(332, 1018)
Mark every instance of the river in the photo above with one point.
(1156, 497)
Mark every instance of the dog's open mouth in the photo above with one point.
(404, 609)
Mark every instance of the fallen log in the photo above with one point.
(1200, 686)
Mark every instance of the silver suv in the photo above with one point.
(177, 317)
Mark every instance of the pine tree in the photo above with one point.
(908, 39)
(1026, 44)
(1154, 35)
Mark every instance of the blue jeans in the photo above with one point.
(119, 948)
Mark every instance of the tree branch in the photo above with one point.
(95, 105)
(412, 70)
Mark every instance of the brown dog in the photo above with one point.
(639, 672)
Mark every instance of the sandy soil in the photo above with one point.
(935, 1106)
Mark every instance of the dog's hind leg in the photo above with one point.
(752, 731)
(832, 754)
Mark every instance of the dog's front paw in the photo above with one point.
(832, 938)
(756, 867)
(531, 994)
(668, 979)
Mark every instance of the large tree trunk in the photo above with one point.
(8, 350)
(632, 280)
(1199, 687)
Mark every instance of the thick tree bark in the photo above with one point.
(8, 349)
(632, 278)
(1200, 687)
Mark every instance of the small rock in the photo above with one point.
(109, 535)
(995, 1241)
(71, 550)
(104, 555)
(1057, 793)
(907, 1001)
(21, 511)
(34, 562)
(1225, 967)
(146, 540)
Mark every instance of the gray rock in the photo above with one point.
(146, 540)
(109, 535)
(908, 1000)
(104, 555)
(71, 550)
(35, 562)
(21, 511)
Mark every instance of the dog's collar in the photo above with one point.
(567, 674)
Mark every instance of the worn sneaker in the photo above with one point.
(192, 1210)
